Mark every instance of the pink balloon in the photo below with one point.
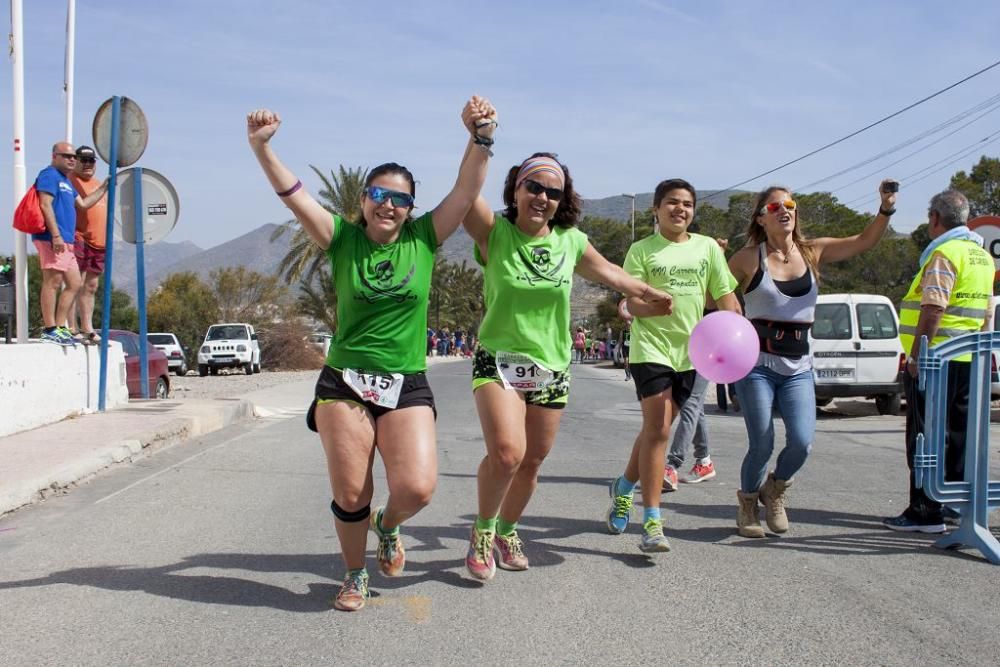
(724, 347)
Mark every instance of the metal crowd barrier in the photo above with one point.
(975, 495)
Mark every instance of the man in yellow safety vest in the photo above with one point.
(949, 297)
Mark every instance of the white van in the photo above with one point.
(856, 350)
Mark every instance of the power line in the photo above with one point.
(990, 105)
(948, 161)
(856, 132)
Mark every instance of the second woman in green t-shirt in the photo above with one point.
(521, 367)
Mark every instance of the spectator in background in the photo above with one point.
(579, 341)
(59, 201)
(89, 243)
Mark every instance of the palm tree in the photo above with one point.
(318, 299)
(341, 195)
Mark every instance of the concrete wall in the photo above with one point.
(42, 383)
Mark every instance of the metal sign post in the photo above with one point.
(120, 136)
(109, 252)
(140, 266)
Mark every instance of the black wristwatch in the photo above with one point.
(886, 213)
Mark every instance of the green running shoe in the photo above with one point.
(621, 510)
(653, 540)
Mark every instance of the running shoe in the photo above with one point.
(653, 540)
(669, 478)
(390, 553)
(905, 524)
(479, 559)
(67, 335)
(354, 593)
(56, 336)
(510, 548)
(621, 510)
(699, 473)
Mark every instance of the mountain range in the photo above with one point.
(255, 250)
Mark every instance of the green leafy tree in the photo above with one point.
(609, 237)
(185, 306)
(981, 186)
(123, 313)
(340, 194)
(248, 296)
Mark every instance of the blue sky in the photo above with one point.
(627, 93)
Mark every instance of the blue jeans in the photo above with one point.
(795, 397)
(691, 426)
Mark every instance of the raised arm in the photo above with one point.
(316, 220)
(480, 118)
(646, 301)
(836, 250)
(91, 200)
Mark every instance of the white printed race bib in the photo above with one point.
(522, 373)
(380, 389)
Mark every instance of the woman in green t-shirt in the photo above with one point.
(372, 393)
(521, 367)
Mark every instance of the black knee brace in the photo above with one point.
(350, 517)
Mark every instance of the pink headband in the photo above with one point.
(536, 165)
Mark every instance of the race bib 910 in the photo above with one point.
(522, 373)
(380, 389)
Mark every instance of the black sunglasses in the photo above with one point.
(88, 160)
(68, 156)
(536, 188)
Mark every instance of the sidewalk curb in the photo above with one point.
(200, 420)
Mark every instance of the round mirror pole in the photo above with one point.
(109, 253)
(140, 263)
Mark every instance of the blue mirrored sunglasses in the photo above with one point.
(398, 199)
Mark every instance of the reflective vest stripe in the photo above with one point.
(958, 311)
(941, 332)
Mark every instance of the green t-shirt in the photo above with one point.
(382, 293)
(687, 271)
(526, 284)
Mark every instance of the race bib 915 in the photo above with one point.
(380, 389)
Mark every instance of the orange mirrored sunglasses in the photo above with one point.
(773, 207)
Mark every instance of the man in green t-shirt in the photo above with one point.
(687, 266)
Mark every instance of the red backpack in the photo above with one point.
(28, 216)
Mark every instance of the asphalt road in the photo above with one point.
(221, 551)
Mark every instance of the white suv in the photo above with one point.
(170, 346)
(229, 346)
(856, 350)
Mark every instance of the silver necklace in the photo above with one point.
(784, 257)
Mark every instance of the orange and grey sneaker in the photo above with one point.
(354, 593)
(669, 478)
(390, 553)
(510, 548)
(699, 473)
(479, 558)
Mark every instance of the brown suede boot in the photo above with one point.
(772, 495)
(747, 519)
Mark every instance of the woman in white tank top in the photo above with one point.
(778, 271)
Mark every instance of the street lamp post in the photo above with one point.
(632, 197)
